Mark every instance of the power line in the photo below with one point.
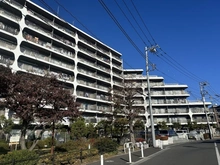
(130, 22)
(121, 28)
(169, 62)
(143, 22)
(137, 23)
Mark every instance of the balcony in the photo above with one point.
(7, 44)
(170, 111)
(117, 83)
(32, 69)
(38, 28)
(86, 72)
(40, 71)
(104, 109)
(103, 50)
(48, 45)
(82, 82)
(116, 57)
(86, 41)
(87, 51)
(118, 66)
(14, 3)
(93, 95)
(102, 68)
(5, 60)
(8, 29)
(44, 57)
(48, 21)
(197, 110)
(61, 76)
(63, 40)
(9, 15)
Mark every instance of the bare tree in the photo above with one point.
(123, 101)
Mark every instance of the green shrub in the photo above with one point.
(46, 142)
(4, 147)
(105, 145)
(20, 157)
(72, 145)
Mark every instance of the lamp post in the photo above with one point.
(202, 84)
(153, 50)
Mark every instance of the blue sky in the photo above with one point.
(187, 32)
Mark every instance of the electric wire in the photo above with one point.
(130, 22)
(121, 28)
(169, 62)
(196, 77)
(143, 22)
(175, 66)
(137, 23)
(179, 66)
(189, 73)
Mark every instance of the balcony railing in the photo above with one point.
(8, 28)
(93, 74)
(10, 15)
(95, 65)
(5, 60)
(36, 54)
(93, 95)
(47, 21)
(40, 71)
(86, 41)
(7, 44)
(47, 45)
(103, 50)
(13, 2)
(38, 28)
(197, 110)
(86, 72)
(65, 41)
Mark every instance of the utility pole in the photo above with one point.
(153, 50)
(202, 84)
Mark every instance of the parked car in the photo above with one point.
(182, 133)
(163, 133)
(196, 135)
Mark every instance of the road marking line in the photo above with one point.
(217, 153)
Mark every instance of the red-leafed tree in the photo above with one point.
(34, 98)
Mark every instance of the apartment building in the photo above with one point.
(36, 41)
(169, 101)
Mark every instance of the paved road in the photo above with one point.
(193, 153)
(124, 158)
(188, 153)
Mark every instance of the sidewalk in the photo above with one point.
(124, 158)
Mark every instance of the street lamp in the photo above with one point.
(202, 84)
(152, 50)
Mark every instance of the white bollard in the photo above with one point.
(142, 150)
(102, 160)
(161, 144)
(129, 155)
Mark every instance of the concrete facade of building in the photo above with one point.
(36, 41)
(170, 102)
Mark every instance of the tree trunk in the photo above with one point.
(132, 133)
(33, 145)
(23, 134)
(52, 139)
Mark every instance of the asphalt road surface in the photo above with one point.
(193, 153)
